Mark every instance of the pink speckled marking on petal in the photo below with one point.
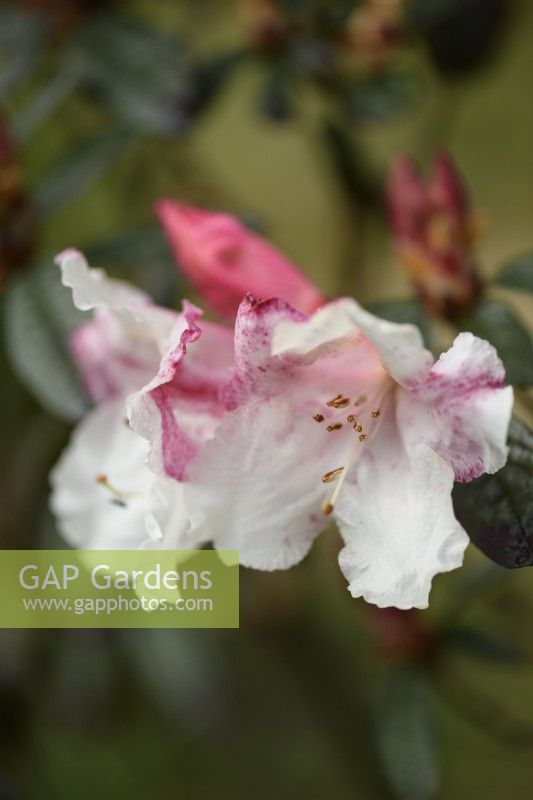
(256, 371)
(463, 408)
(178, 409)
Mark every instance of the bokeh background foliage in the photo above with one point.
(225, 105)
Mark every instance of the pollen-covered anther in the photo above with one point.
(328, 477)
(357, 427)
(318, 417)
(335, 427)
(331, 403)
(375, 412)
(327, 507)
(350, 418)
(342, 403)
(363, 437)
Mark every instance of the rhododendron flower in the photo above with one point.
(101, 488)
(341, 413)
(224, 260)
(434, 232)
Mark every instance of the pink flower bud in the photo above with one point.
(224, 260)
(433, 230)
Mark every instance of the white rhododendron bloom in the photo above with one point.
(253, 439)
(340, 413)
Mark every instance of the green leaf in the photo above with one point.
(140, 71)
(405, 310)
(518, 274)
(75, 171)
(405, 735)
(485, 645)
(494, 321)
(48, 97)
(21, 47)
(351, 167)
(379, 98)
(144, 257)
(38, 317)
(276, 95)
(497, 510)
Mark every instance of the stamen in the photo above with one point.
(369, 417)
(117, 493)
(330, 476)
(318, 417)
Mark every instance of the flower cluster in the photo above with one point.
(252, 437)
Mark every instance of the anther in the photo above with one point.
(334, 400)
(363, 437)
(318, 417)
(330, 476)
(335, 427)
(327, 507)
(376, 412)
(350, 418)
(357, 427)
(342, 403)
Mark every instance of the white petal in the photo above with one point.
(88, 514)
(92, 289)
(461, 409)
(256, 487)
(396, 518)
(166, 521)
(400, 347)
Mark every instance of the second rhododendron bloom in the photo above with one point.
(341, 413)
(224, 260)
(103, 495)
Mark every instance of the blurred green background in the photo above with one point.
(308, 699)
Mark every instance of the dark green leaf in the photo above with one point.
(209, 79)
(518, 274)
(21, 47)
(351, 167)
(486, 645)
(379, 98)
(38, 317)
(460, 34)
(140, 71)
(275, 97)
(497, 510)
(405, 735)
(405, 310)
(142, 255)
(49, 96)
(495, 322)
(75, 171)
